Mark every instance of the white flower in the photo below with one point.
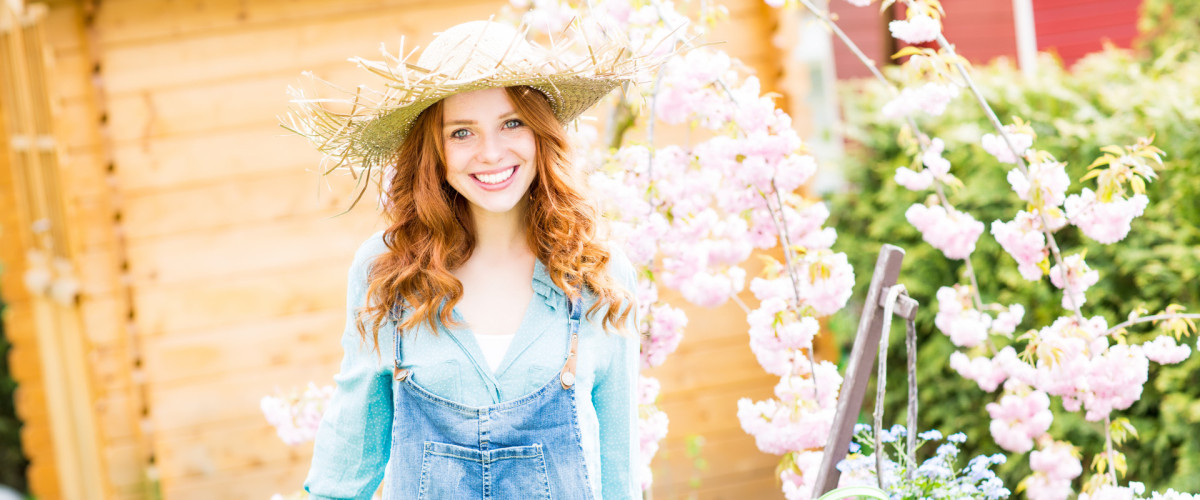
(916, 30)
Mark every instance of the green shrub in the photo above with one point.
(1113, 97)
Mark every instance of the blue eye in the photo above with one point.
(459, 134)
(513, 123)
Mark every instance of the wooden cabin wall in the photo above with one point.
(93, 242)
(214, 269)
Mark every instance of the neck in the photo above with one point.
(500, 234)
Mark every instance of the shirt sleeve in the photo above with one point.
(354, 437)
(615, 397)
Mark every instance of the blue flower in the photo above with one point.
(854, 447)
(886, 436)
(930, 435)
(957, 437)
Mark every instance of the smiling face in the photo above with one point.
(490, 152)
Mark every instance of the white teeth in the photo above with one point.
(497, 177)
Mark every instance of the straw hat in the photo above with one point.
(470, 56)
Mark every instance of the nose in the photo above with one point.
(491, 148)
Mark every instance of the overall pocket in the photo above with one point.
(450, 471)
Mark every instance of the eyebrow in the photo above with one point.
(472, 122)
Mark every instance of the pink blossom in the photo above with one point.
(914, 181)
(549, 16)
(1111, 492)
(1073, 344)
(1056, 459)
(652, 428)
(995, 145)
(793, 171)
(665, 330)
(776, 336)
(1018, 418)
(1019, 372)
(765, 289)
(1041, 487)
(648, 389)
(982, 370)
(799, 486)
(1054, 466)
(930, 98)
(800, 417)
(958, 319)
(916, 29)
(1115, 381)
(802, 224)
(826, 281)
(1006, 321)
(952, 232)
(932, 158)
(1164, 351)
(709, 289)
(1104, 222)
(1024, 241)
(687, 92)
(1046, 182)
(296, 417)
(1074, 280)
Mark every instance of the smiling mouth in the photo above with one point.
(496, 178)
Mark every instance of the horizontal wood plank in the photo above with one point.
(244, 201)
(218, 452)
(227, 399)
(222, 156)
(313, 286)
(245, 250)
(254, 483)
(138, 22)
(249, 347)
(730, 458)
(272, 48)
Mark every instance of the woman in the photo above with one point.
(488, 345)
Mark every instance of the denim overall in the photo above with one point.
(528, 448)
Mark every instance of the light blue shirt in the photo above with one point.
(354, 438)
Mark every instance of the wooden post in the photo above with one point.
(858, 372)
(40, 200)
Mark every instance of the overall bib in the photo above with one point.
(528, 448)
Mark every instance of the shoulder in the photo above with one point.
(365, 256)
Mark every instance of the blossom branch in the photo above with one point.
(781, 228)
(923, 140)
(1108, 449)
(1147, 319)
(995, 121)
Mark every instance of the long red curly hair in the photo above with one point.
(432, 230)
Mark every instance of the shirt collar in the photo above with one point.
(544, 286)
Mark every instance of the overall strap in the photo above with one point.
(399, 373)
(567, 377)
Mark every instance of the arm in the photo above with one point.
(615, 398)
(354, 437)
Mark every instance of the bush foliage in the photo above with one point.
(1112, 97)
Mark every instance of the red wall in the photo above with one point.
(1073, 28)
(982, 30)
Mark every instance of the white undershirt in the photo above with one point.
(494, 347)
